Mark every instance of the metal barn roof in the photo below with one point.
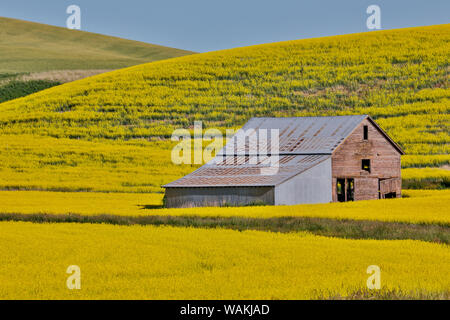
(303, 143)
(238, 171)
(300, 135)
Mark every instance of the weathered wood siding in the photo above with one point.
(390, 185)
(384, 163)
(217, 196)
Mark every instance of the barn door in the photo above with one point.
(345, 189)
(387, 188)
(350, 189)
(340, 190)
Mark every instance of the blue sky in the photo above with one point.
(206, 25)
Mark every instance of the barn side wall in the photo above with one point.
(218, 196)
(385, 174)
(311, 186)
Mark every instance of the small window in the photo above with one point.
(365, 165)
(366, 132)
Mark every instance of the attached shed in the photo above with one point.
(320, 159)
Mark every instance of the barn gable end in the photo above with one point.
(382, 156)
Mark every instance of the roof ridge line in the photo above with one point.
(281, 154)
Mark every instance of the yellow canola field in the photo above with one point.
(426, 209)
(421, 206)
(424, 193)
(400, 77)
(29, 162)
(135, 262)
(86, 203)
(426, 173)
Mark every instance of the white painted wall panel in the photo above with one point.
(312, 186)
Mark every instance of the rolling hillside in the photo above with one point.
(103, 133)
(37, 56)
(33, 47)
(96, 151)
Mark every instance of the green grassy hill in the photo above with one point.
(33, 47)
(98, 131)
(36, 56)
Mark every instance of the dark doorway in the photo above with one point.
(390, 195)
(350, 190)
(345, 189)
(340, 190)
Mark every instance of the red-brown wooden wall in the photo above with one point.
(384, 161)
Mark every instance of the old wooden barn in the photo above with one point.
(320, 159)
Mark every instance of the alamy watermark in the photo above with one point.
(74, 280)
(374, 20)
(374, 281)
(74, 20)
(258, 147)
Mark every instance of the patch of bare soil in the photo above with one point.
(63, 75)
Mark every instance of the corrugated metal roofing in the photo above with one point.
(300, 135)
(239, 171)
(303, 143)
